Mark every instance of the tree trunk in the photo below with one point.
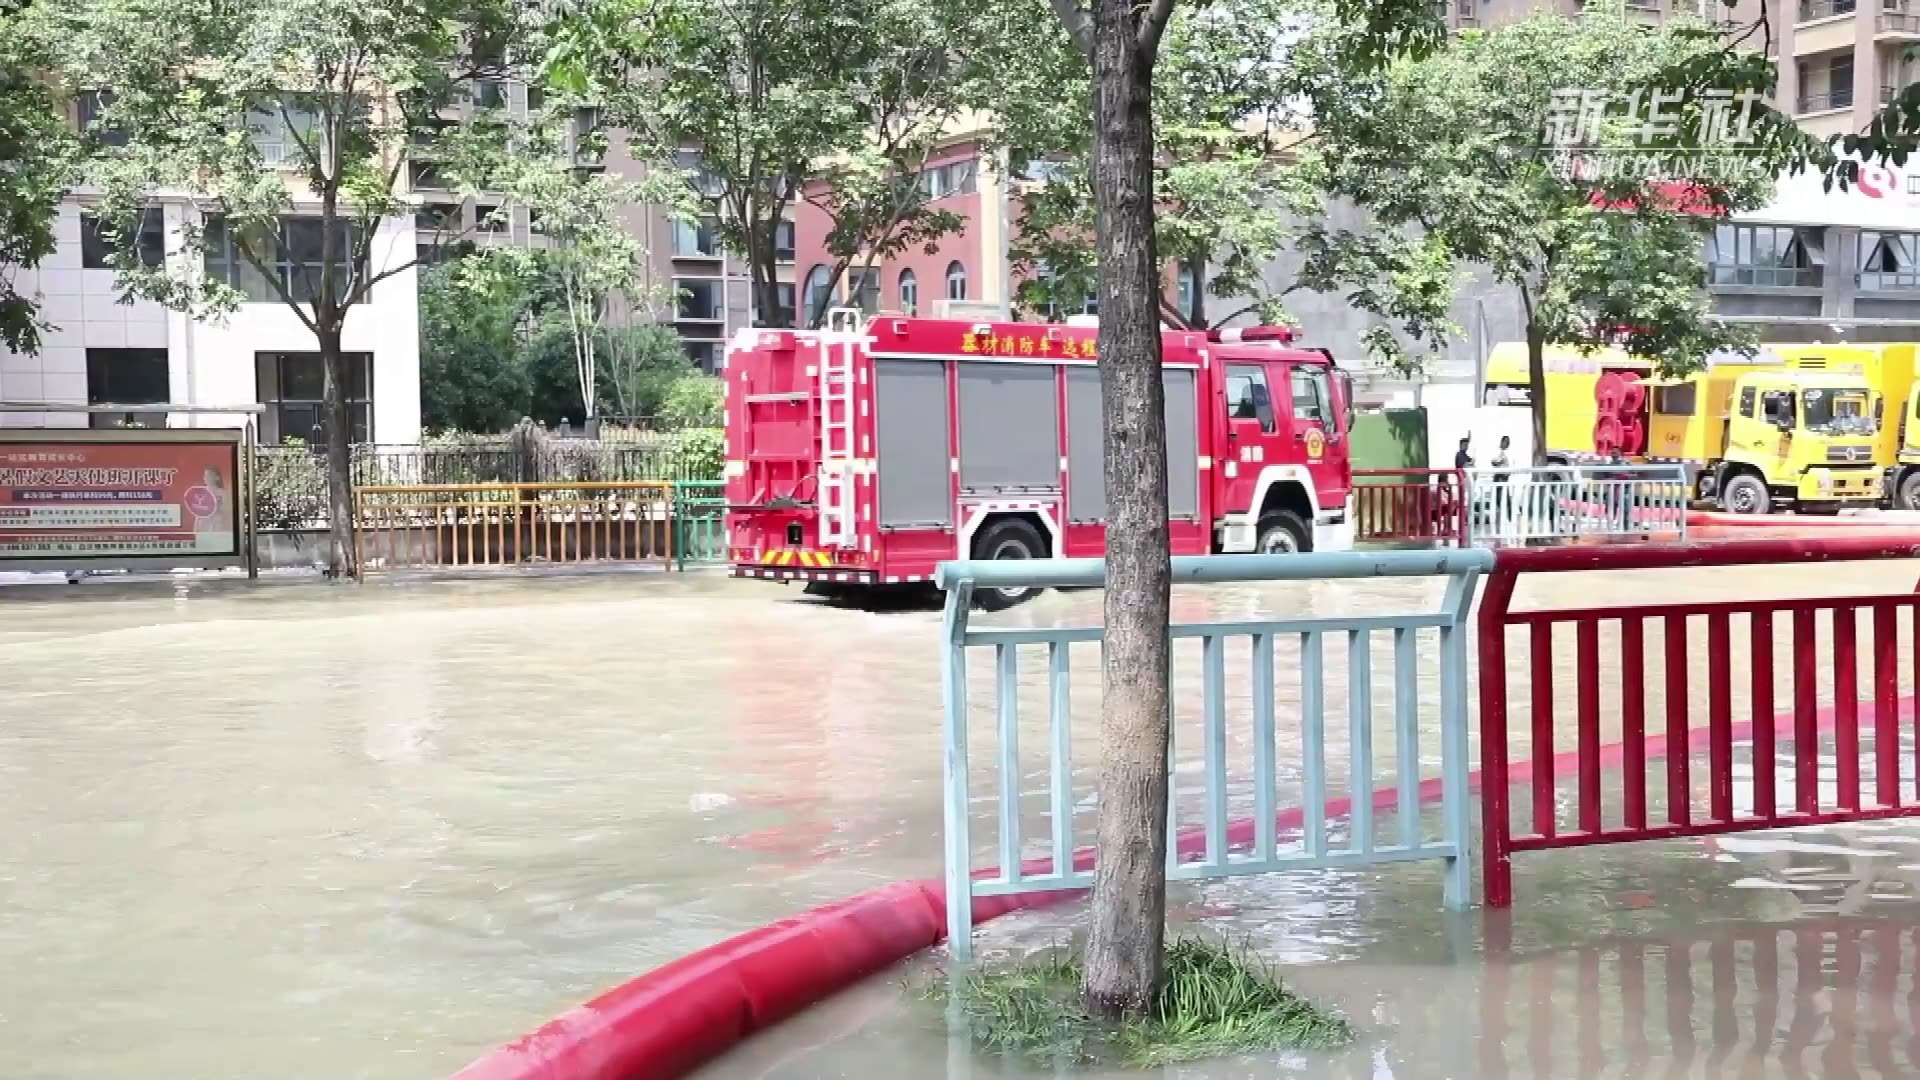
(1130, 883)
(1537, 388)
(342, 561)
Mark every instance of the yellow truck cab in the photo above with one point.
(1771, 439)
(1787, 428)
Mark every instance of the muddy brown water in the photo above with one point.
(296, 830)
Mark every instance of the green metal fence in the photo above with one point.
(699, 522)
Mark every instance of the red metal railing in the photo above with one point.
(1410, 506)
(1734, 1000)
(1626, 815)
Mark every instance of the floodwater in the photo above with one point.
(298, 830)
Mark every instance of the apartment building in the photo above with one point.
(1814, 265)
(704, 290)
(965, 272)
(100, 350)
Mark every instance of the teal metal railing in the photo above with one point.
(699, 522)
(1271, 744)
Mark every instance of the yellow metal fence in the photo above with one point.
(431, 526)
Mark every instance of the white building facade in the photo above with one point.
(102, 351)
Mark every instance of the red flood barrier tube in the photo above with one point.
(679, 1016)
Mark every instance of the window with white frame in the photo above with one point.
(953, 178)
(279, 129)
(909, 292)
(956, 281)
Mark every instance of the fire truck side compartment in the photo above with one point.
(1009, 431)
(1183, 444)
(1086, 459)
(910, 403)
(1086, 475)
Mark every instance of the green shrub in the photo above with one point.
(693, 401)
(289, 487)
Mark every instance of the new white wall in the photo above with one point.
(211, 362)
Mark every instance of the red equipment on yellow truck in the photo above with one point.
(866, 454)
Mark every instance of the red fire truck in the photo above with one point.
(865, 454)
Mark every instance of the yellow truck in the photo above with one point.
(1890, 371)
(1757, 433)
(1760, 438)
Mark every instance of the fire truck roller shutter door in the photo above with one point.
(1009, 427)
(1086, 451)
(1183, 444)
(1086, 427)
(910, 397)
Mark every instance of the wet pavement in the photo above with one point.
(300, 830)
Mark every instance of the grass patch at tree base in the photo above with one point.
(1215, 1000)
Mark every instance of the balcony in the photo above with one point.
(1831, 101)
(1896, 23)
(1815, 10)
(1888, 281)
(1764, 277)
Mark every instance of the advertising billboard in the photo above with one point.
(152, 498)
(1883, 197)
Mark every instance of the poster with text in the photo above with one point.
(62, 500)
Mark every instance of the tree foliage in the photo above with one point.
(742, 97)
(498, 343)
(38, 152)
(473, 330)
(258, 111)
(1224, 93)
(1450, 157)
(924, 69)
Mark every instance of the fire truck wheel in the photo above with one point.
(1010, 539)
(1282, 532)
(1746, 494)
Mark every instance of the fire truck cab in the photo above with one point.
(866, 454)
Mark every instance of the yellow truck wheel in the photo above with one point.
(1907, 495)
(1746, 493)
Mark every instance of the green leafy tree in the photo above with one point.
(1451, 156)
(1222, 121)
(473, 368)
(921, 70)
(38, 152)
(645, 364)
(291, 125)
(741, 97)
